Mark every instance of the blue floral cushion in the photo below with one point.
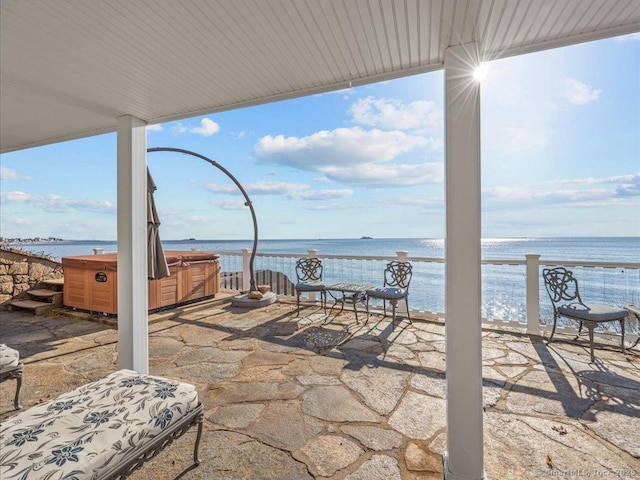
(85, 433)
(9, 357)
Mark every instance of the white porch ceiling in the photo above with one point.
(69, 68)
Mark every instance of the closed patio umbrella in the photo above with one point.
(156, 262)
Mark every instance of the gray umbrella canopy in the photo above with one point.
(156, 262)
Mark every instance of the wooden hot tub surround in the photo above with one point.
(91, 281)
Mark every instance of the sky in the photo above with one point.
(560, 134)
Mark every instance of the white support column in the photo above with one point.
(246, 271)
(533, 293)
(133, 343)
(464, 457)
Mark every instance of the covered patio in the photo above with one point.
(290, 397)
(76, 68)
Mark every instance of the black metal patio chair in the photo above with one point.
(309, 279)
(397, 277)
(562, 288)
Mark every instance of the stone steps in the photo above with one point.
(38, 308)
(41, 300)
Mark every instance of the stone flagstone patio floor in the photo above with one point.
(290, 397)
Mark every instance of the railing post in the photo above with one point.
(533, 293)
(312, 253)
(246, 272)
(401, 256)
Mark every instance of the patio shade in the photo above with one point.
(156, 262)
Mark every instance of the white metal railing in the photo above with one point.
(512, 289)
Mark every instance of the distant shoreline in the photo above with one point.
(53, 240)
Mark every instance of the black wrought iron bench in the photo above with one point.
(105, 429)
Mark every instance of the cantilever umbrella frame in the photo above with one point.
(252, 284)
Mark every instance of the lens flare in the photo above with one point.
(481, 72)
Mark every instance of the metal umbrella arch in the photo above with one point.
(252, 282)
(156, 262)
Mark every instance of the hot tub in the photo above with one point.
(91, 281)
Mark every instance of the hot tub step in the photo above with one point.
(38, 308)
(50, 296)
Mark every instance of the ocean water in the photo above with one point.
(604, 249)
(503, 286)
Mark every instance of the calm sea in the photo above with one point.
(503, 286)
(605, 249)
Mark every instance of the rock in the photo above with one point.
(252, 392)
(335, 404)
(432, 383)
(326, 454)
(230, 455)
(619, 424)
(419, 460)
(419, 416)
(380, 388)
(237, 416)
(261, 358)
(283, 425)
(255, 295)
(375, 438)
(550, 392)
(378, 467)
(264, 288)
(209, 373)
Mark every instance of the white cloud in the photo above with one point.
(628, 38)
(353, 156)
(623, 179)
(207, 128)
(17, 221)
(336, 147)
(10, 174)
(558, 192)
(294, 191)
(56, 203)
(154, 128)
(579, 93)
(511, 139)
(388, 175)
(392, 114)
(178, 128)
(15, 197)
(229, 204)
(322, 194)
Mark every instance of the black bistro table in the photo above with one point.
(353, 293)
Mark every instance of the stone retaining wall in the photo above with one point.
(21, 270)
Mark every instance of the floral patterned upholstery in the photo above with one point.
(9, 357)
(89, 431)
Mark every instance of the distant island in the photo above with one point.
(366, 238)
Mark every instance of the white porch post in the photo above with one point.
(533, 293)
(133, 344)
(464, 457)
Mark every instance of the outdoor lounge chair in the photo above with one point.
(397, 277)
(562, 288)
(309, 279)
(10, 367)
